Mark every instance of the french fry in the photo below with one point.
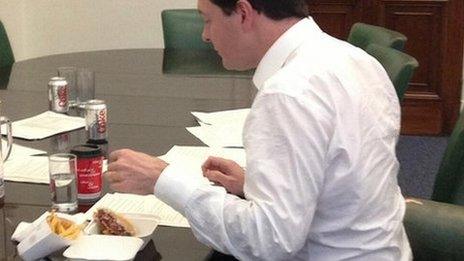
(66, 223)
(75, 233)
(63, 227)
(59, 228)
(69, 231)
(50, 219)
(54, 224)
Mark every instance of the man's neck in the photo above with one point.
(270, 30)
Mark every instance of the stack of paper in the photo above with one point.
(237, 116)
(229, 135)
(196, 155)
(149, 204)
(23, 167)
(220, 129)
(45, 125)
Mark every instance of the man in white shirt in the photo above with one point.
(320, 181)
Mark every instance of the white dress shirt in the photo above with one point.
(321, 176)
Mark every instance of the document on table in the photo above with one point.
(228, 135)
(131, 203)
(221, 128)
(193, 157)
(196, 155)
(45, 125)
(237, 116)
(22, 167)
(19, 151)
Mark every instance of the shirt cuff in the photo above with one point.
(176, 185)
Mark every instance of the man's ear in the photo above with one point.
(247, 14)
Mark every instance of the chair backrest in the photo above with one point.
(182, 29)
(6, 54)
(361, 35)
(449, 182)
(399, 66)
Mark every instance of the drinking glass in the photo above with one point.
(71, 77)
(85, 86)
(4, 153)
(63, 186)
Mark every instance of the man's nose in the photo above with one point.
(205, 37)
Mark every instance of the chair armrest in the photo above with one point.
(435, 230)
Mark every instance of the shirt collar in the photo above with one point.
(282, 48)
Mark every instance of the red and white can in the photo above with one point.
(96, 120)
(89, 171)
(58, 99)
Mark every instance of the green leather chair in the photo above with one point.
(6, 54)
(436, 228)
(449, 182)
(185, 52)
(6, 58)
(182, 29)
(361, 35)
(399, 66)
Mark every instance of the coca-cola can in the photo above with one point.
(58, 99)
(96, 121)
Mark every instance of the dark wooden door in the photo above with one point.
(435, 38)
(335, 17)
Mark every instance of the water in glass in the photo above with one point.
(63, 186)
(64, 192)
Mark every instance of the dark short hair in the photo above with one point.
(274, 9)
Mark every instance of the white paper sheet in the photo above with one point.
(45, 125)
(221, 128)
(222, 117)
(229, 135)
(149, 204)
(23, 167)
(19, 151)
(31, 169)
(28, 169)
(196, 155)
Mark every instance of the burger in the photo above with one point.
(111, 223)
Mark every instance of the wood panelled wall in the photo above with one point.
(435, 31)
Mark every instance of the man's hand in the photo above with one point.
(225, 172)
(133, 172)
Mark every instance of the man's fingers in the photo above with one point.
(209, 163)
(121, 164)
(113, 156)
(117, 153)
(217, 177)
(216, 163)
(113, 176)
(119, 187)
(116, 165)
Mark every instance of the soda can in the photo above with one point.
(96, 120)
(58, 99)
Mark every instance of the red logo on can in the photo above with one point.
(101, 121)
(63, 96)
(89, 175)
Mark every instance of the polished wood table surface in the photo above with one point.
(148, 111)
